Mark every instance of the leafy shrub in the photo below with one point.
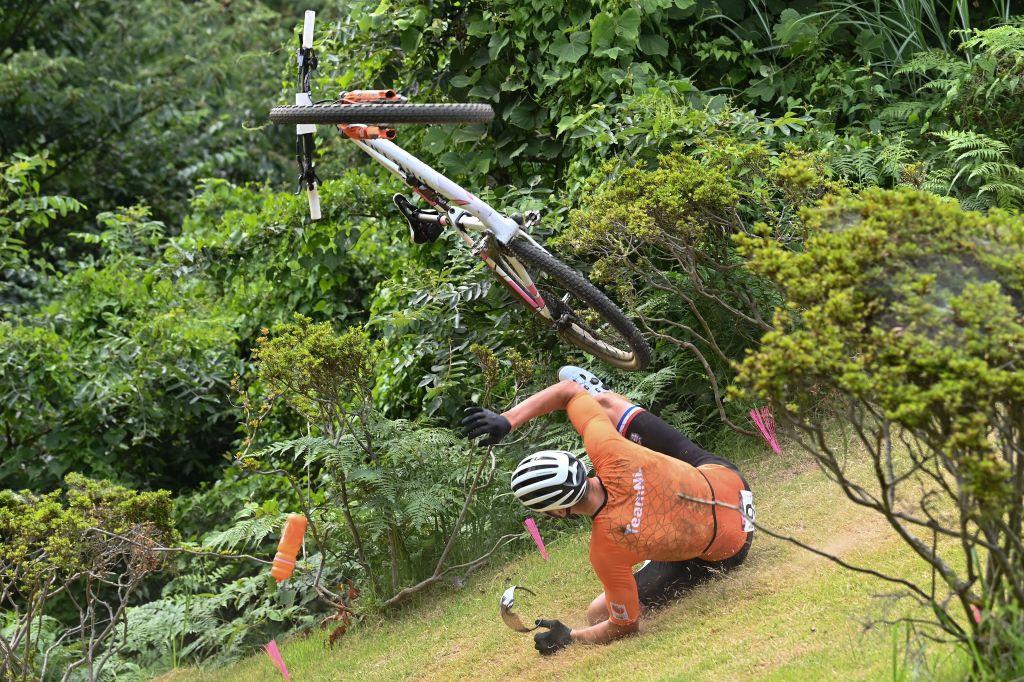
(89, 548)
(130, 100)
(24, 212)
(908, 310)
(973, 91)
(967, 101)
(662, 238)
(402, 493)
(124, 359)
(541, 64)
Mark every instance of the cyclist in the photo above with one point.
(641, 468)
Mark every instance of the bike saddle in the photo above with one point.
(424, 226)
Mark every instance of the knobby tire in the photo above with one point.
(382, 113)
(536, 259)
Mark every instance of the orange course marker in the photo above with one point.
(288, 548)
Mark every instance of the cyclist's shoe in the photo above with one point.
(582, 377)
(421, 231)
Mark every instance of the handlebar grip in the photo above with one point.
(314, 203)
(307, 29)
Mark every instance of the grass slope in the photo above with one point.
(785, 615)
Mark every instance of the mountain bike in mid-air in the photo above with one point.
(564, 299)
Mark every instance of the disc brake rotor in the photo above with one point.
(564, 313)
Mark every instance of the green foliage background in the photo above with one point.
(148, 231)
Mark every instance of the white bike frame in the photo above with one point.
(403, 164)
(473, 214)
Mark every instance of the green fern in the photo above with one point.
(924, 63)
(855, 164)
(1001, 41)
(910, 111)
(981, 171)
(308, 447)
(894, 155)
(249, 529)
(971, 145)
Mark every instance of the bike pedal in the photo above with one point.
(562, 323)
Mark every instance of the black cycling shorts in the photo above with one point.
(653, 432)
(658, 582)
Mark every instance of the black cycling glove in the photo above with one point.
(557, 637)
(481, 422)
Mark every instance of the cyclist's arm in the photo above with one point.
(554, 397)
(614, 568)
(600, 438)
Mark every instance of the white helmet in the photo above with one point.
(549, 479)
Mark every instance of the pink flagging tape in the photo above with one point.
(531, 526)
(765, 422)
(275, 656)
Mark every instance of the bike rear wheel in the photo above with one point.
(583, 315)
(335, 113)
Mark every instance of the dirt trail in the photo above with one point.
(798, 501)
(785, 614)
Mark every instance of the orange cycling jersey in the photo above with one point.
(644, 517)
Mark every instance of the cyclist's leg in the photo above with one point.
(651, 431)
(662, 581)
(655, 433)
(616, 406)
(658, 582)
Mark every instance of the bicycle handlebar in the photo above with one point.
(305, 146)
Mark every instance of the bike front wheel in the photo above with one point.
(580, 313)
(388, 113)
